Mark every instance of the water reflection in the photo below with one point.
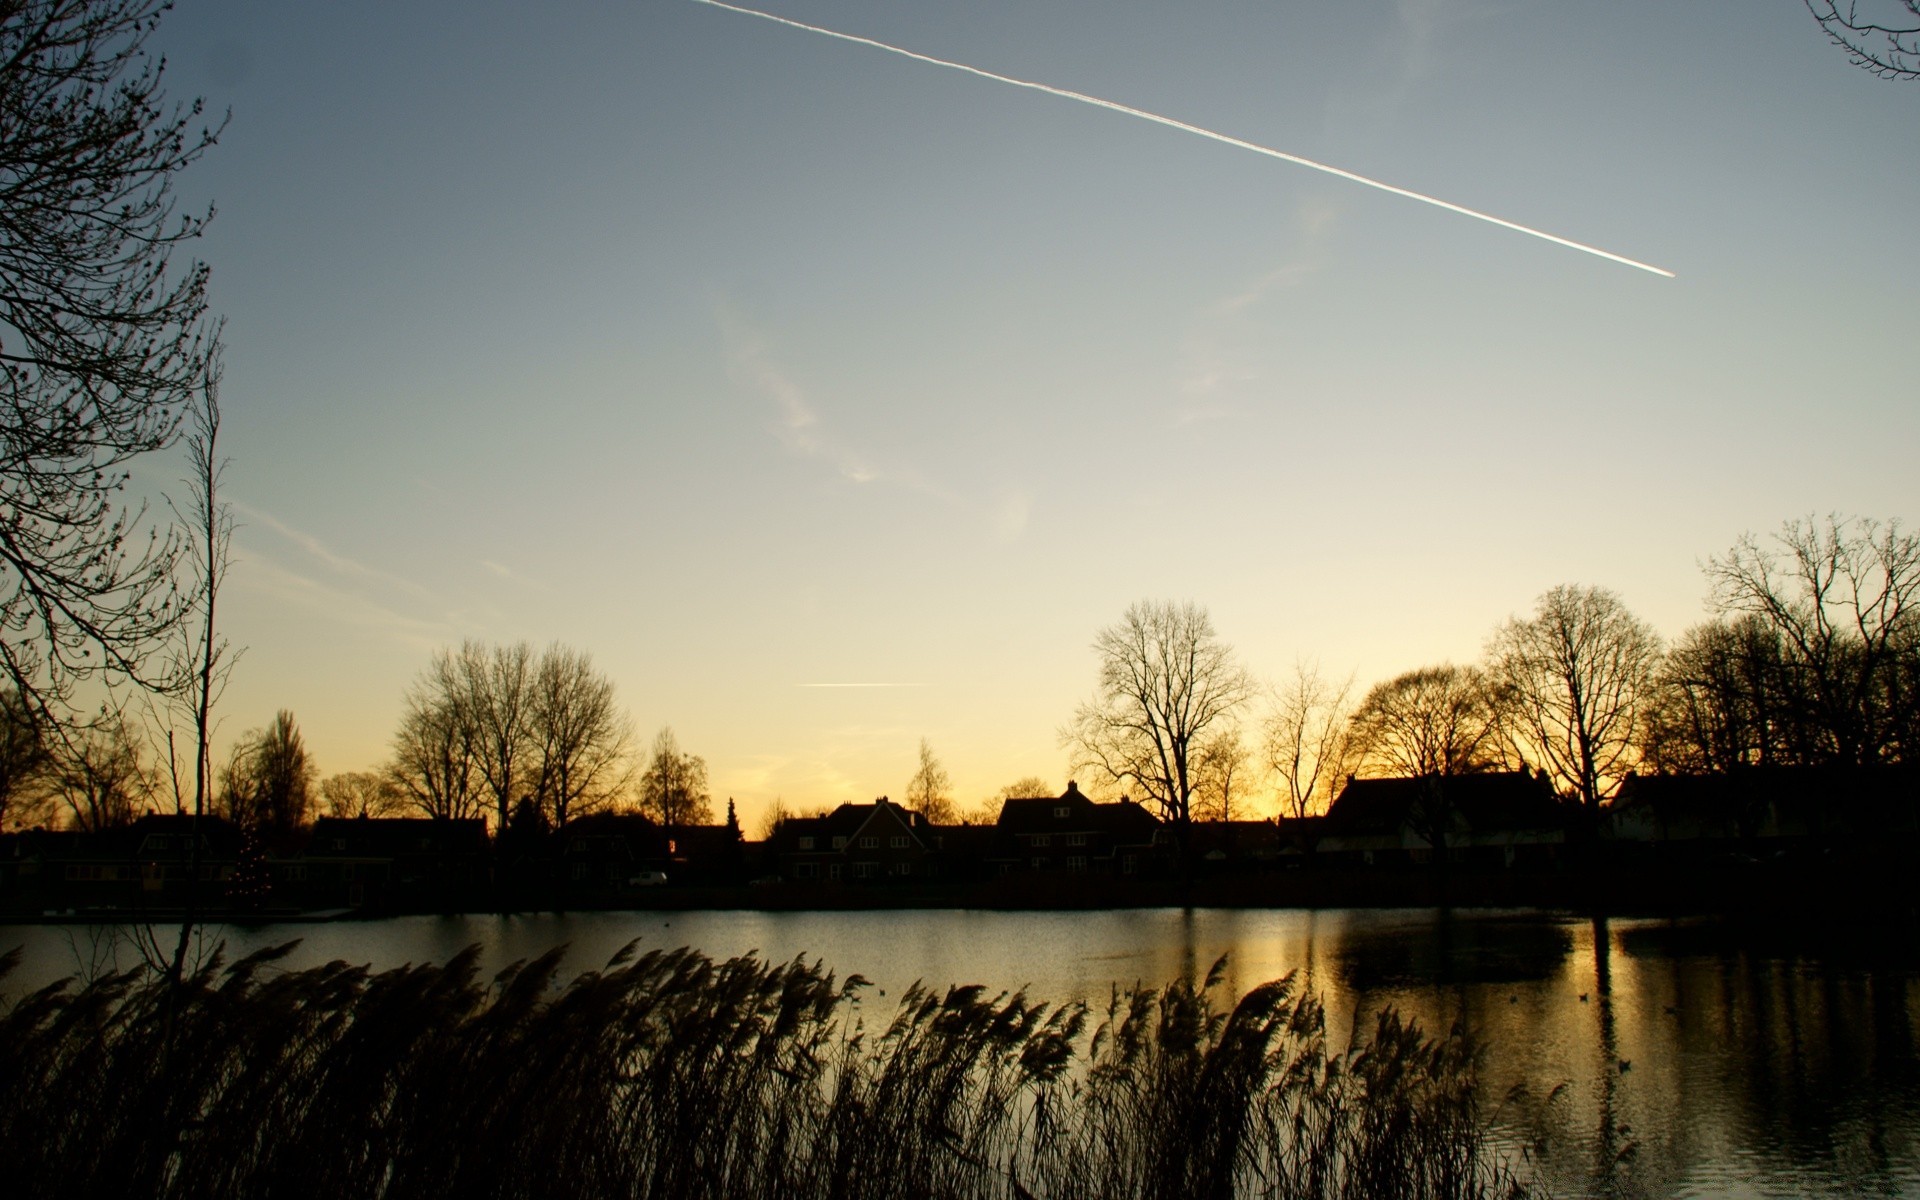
(1684, 1058)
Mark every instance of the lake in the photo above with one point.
(1691, 1058)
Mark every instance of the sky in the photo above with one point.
(751, 361)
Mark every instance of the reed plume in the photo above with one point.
(670, 1075)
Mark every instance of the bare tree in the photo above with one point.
(1723, 698)
(930, 790)
(1026, 787)
(580, 739)
(435, 751)
(673, 790)
(1881, 36)
(23, 761)
(203, 660)
(1166, 681)
(774, 819)
(102, 344)
(98, 774)
(1431, 725)
(498, 683)
(987, 812)
(1308, 741)
(488, 726)
(1576, 678)
(269, 782)
(1220, 774)
(362, 794)
(1436, 721)
(1844, 597)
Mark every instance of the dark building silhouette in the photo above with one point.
(1500, 818)
(1071, 833)
(417, 864)
(859, 843)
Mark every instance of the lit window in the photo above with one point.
(869, 843)
(1060, 811)
(1076, 839)
(1042, 839)
(898, 843)
(806, 843)
(866, 870)
(1077, 862)
(839, 843)
(1039, 864)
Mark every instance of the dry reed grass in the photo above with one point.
(670, 1075)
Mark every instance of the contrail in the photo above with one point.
(1172, 123)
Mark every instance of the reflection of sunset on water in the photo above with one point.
(1703, 1059)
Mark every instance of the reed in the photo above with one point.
(670, 1075)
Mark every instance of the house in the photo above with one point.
(858, 843)
(145, 865)
(409, 864)
(605, 857)
(1776, 806)
(1237, 846)
(1071, 833)
(1500, 818)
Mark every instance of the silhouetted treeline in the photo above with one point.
(670, 1075)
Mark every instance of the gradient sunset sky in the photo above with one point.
(751, 361)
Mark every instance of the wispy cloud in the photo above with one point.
(339, 588)
(797, 423)
(1218, 361)
(502, 571)
(338, 563)
(262, 573)
(799, 426)
(1399, 58)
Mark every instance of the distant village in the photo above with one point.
(1766, 757)
(1498, 836)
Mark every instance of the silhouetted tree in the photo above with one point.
(1026, 787)
(486, 725)
(1844, 597)
(269, 781)
(1308, 740)
(1220, 774)
(580, 739)
(673, 790)
(1575, 679)
(434, 750)
(776, 816)
(527, 829)
(929, 792)
(498, 682)
(1723, 699)
(1882, 36)
(102, 343)
(1430, 724)
(23, 759)
(98, 774)
(362, 794)
(1434, 721)
(1166, 681)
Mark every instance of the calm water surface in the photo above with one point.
(1692, 1059)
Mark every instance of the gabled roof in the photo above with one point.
(848, 820)
(1072, 812)
(1488, 803)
